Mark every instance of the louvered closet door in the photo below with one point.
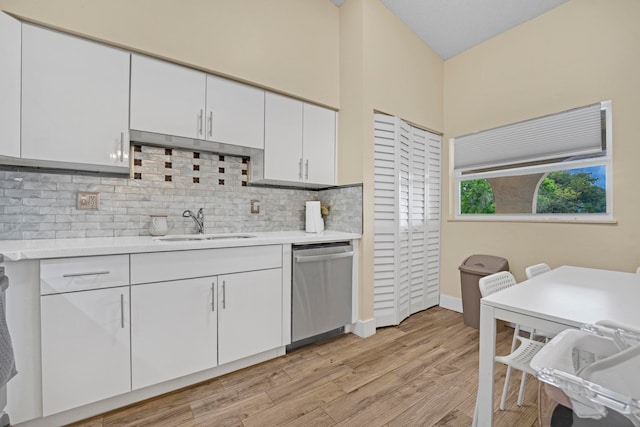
(417, 255)
(386, 222)
(433, 206)
(407, 215)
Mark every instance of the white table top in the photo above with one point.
(564, 297)
(574, 296)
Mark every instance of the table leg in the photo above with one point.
(484, 403)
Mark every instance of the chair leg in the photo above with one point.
(522, 384)
(507, 378)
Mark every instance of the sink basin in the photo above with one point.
(227, 236)
(197, 237)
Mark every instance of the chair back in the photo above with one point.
(496, 282)
(536, 270)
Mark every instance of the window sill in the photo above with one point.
(557, 220)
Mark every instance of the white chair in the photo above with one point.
(519, 357)
(535, 270)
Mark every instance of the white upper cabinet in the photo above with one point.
(167, 98)
(235, 113)
(173, 100)
(75, 100)
(299, 142)
(318, 144)
(283, 138)
(10, 36)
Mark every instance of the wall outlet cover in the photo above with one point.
(255, 206)
(88, 200)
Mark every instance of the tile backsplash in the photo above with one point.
(166, 182)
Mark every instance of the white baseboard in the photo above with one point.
(365, 328)
(451, 303)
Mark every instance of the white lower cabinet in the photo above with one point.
(250, 313)
(173, 330)
(85, 347)
(113, 324)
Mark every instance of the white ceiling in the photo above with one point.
(453, 26)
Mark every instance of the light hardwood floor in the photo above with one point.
(420, 373)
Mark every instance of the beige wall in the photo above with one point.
(582, 52)
(289, 46)
(386, 68)
(361, 59)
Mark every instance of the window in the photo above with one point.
(556, 167)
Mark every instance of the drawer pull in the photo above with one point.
(92, 273)
(122, 311)
(213, 297)
(224, 296)
(122, 146)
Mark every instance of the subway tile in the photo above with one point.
(47, 202)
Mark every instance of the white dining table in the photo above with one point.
(566, 297)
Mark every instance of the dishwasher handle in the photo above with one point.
(327, 257)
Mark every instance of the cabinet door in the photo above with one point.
(85, 347)
(235, 113)
(250, 313)
(319, 145)
(173, 330)
(167, 98)
(75, 99)
(282, 138)
(9, 86)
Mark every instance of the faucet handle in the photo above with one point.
(201, 213)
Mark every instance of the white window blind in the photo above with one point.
(570, 133)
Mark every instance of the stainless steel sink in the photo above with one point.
(228, 236)
(197, 237)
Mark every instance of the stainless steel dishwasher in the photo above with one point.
(321, 291)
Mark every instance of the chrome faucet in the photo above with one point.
(198, 219)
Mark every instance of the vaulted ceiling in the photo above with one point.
(450, 27)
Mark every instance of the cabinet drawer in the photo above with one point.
(162, 266)
(83, 273)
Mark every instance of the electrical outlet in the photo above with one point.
(255, 206)
(88, 201)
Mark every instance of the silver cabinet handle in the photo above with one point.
(224, 295)
(200, 123)
(213, 296)
(122, 146)
(91, 273)
(306, 171)
(300, 169)
(122, 311)
(210, 123)
(312, 258)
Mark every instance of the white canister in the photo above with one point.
(158, 225)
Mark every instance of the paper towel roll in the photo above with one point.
(314, 222)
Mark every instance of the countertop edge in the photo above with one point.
(19, 250)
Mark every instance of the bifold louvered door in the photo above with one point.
(406, 220)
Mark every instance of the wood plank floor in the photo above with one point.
(423, 372)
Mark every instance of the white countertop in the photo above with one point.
(17, 250)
